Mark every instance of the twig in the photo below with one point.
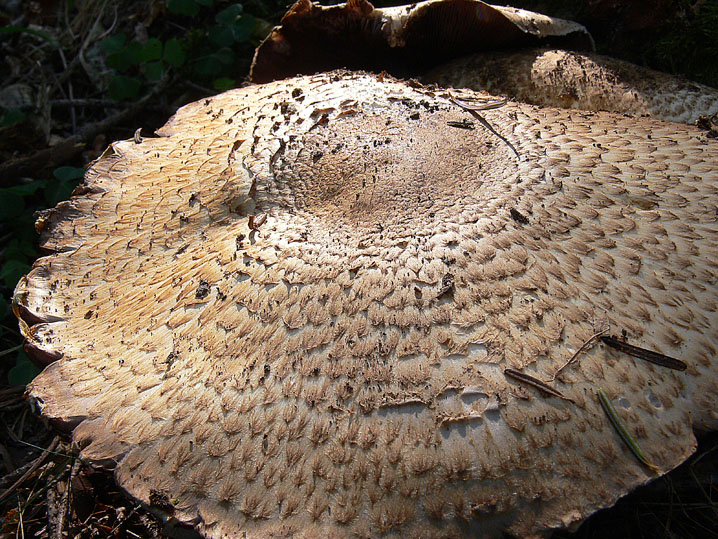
(86, 102)
(36, 464)
(576, 353)
(12, 405)
(646, 355)
(21, 426)
(52, 516)
(535, 383)
(202, 89)
(121, 521)
(67, 73)
(12, 391)
(65, 503)
(20, 525)
(70, 93)
(473, 110)
(86, 42)
(10, 350)
(12, 476)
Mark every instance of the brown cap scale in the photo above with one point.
(336, 366)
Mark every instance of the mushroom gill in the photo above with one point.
(310, 307)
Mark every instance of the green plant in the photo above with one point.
(150, 60)
(10, 117)
(207, 52)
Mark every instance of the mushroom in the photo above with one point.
(325, 306)
(498, 49)
(403, 39)
(570, 79)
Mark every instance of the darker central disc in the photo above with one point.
(410, 164)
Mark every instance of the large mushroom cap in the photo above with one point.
(567, 79)
(310, 308)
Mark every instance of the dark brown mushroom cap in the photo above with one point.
(402, 40)
(338, 367)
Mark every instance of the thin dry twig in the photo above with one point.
(36, 464)
(577, 352)
(7, 457)
(52, 513)
(535, 383)
(473, 110)
(86, 102)
(17, 472)
(65, 502)
(644, 354)
(70, 93)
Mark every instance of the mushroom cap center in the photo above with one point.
(406, 168)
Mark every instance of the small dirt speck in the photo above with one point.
(519, 217)
(202, 290)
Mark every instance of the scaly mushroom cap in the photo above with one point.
(567, 79)
(402, 39)
(294, 310)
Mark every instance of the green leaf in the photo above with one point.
(10, 117)
(12, 270)
(58, 191)
(67, 179)
(204, 2)
(183, 7)
(26, 189)
(119, 61)
(151, 51)
(23, 372)
(4, 307)
(11, 205)
(15, 250)
(174, 53)
(114, 44)
(208, 66)
(225, 55)
(127, 58)
(243, 29)
(68, 173)
(122, 87)
(224, 83)
(229, 14)
(221, 36)
(262, 28)
(155, 70)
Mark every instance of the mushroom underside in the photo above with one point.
(403, 40)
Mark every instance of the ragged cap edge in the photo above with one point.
(103, 446)
(403, 39)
